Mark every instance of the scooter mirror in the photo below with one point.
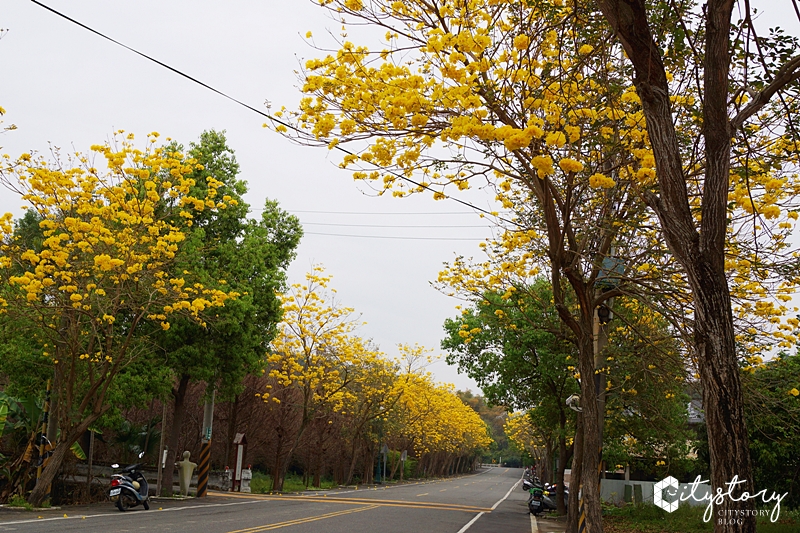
(115, 465)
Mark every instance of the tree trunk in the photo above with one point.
(318, 469)
(277, 467)
(89, 472)
(702, 254)
(42, 488)
(562, 465)
(353, 459)
(284, 463)
(307, 468)
(53, 417)
(230, 452)
(728, 441)
(574, 484)
(178, 413)
(395, 466)
(589, 479)
(547, 465)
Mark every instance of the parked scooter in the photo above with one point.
(550, 489)
(129, 488)
(535, 501)
(528, 484)
(542, 497)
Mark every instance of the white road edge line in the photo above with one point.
(83, 517)
(534, 524)
(501, 500)
(469, 524)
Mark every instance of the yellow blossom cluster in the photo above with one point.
(431, 418)
(108, 239)
(520, 430)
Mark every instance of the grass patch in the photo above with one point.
(788, 522)
(648, 518)
(21, 503)
(262, 484)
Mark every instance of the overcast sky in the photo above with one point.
(63, 85)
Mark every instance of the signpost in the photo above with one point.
(385, 452)
(239, 441)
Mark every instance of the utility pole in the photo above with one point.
(205, 448)
(607, 279)
(162, 456)
(602, 315)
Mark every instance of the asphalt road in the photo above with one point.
(490, 501)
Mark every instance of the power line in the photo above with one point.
(378, 212)
(390, 225)
(395, 238)
(258, 111)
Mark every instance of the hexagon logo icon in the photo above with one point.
(658, 497)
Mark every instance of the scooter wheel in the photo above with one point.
(146, 505)
(122, 505)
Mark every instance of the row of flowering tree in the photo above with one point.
(320, 373)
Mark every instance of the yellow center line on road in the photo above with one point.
(269, 527)
(359, 501)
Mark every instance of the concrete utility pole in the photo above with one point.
(162, 456)
(608, 279)
(205, 448)
(602, 316)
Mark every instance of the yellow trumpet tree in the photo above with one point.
(375, 388)
(520, 430)
(310, 362)
(738, 147)
(99, 273)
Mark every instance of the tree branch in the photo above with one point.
(788, 73)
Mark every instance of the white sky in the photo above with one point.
(64, 85)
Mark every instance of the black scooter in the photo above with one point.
(536, 501)
(539, 499)
(129, 488)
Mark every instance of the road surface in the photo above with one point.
(490, 501)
